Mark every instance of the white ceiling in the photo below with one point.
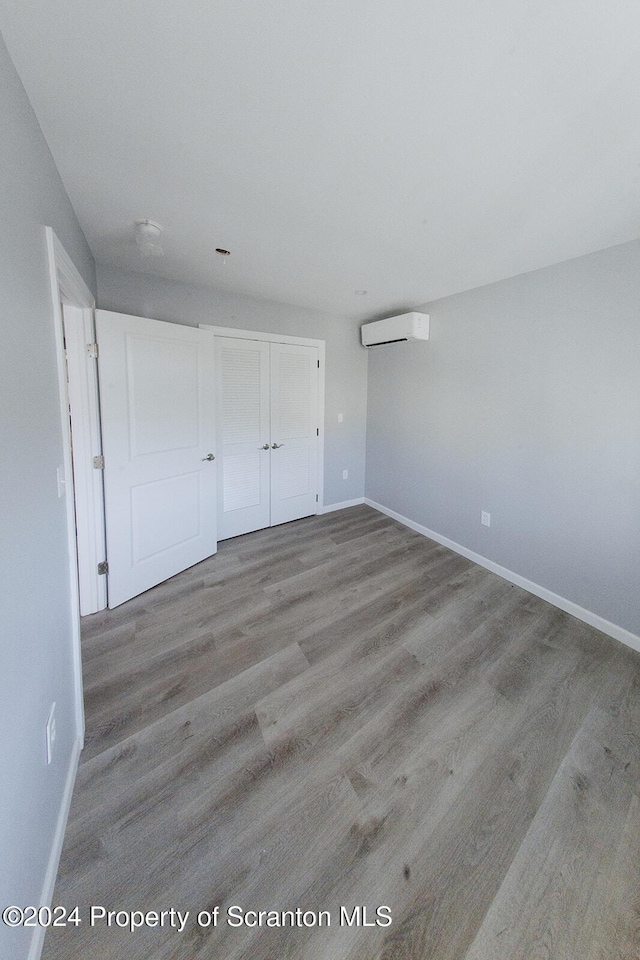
(409, 148)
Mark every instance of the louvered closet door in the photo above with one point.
(242, 383)
(294, 422)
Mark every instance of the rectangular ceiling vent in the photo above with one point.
(407, 326)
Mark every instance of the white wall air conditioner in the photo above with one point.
(407, 326)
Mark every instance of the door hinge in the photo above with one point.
(318, 364)
(92, 350)
(317, 431)
(103, 567)
(316, 497)
(98, 462)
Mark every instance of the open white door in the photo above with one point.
(158, 426)
(294, 432)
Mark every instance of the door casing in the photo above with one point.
(84, 409)
(66, 283)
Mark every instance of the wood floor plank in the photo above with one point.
(339, 711)
(549, 902)
(215, 718)
(617, 921)
(514, 779)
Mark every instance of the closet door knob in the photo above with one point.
(209, 456)
(265, 446)
(276, 446)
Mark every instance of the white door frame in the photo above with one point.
(79, 331)
(66, 282)
(303, 342)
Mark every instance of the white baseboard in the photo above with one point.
(48, 886)
(330, 507)
(605, 626)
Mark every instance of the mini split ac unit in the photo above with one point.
(407, 326)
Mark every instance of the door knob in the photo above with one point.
(276, 446)
(209, 456)
(265, 446)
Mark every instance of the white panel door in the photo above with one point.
(158, 424)
(294, 438)
(242, 384)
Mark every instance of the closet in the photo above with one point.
(207, 433)
(267, 428)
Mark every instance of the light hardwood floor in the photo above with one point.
(340, 712)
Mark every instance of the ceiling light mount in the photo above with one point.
(148, 233)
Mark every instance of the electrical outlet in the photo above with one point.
(340, 418)
(51, 732)
(345, 474)
(485, 518)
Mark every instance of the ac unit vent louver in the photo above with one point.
(407, 326)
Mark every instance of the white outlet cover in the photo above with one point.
(345, 474)
(340, 418)
(485, 518)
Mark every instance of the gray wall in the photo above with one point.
(525, 403)
(346, 373)
(36, 653)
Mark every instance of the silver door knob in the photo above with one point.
(209, 456)
(265, 446)
(276, 446)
